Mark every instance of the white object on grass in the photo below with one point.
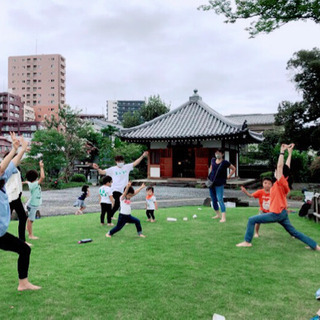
(199, 208)
(218, 317)
(185, 219)
(230, 204)
(194, 216)
(171, 219)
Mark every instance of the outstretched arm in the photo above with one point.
(279, 171)
(42, 176)
(136, 162)
(101, 172)
(290, 149)
(5, 162)
(126, 190)
(244, 190)
(139, 189)
(24, 146)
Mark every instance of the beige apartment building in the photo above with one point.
(40, 82)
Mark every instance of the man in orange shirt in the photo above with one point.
(264, 199)
(278, 204)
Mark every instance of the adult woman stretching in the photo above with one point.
(8, 242)
(278, 204)
(218, 175)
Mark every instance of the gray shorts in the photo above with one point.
(79, 203)
(32, 212)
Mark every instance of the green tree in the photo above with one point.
(50, 145)
(268, 14)
(74, 130)
(300, 118)
(131, 119)
(154, 108)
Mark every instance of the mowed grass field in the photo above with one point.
(182, 270)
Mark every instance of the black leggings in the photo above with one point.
(22, 216)
(106, 208)
(8, 242)
(116, 197)
(150, 214)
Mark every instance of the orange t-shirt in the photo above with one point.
(264, 199)
(278, 195)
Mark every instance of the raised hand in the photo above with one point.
(95, 166)
(15, 140)
(41, 164)
(146, 154)
(24, 144)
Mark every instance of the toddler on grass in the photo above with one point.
(35, 200)
(151, 204)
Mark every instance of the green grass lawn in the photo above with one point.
(182, 270)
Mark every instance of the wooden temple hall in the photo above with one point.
(182, 142)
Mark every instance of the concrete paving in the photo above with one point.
(60, 202)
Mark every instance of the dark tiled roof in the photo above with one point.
(252, 119)
(193, 120)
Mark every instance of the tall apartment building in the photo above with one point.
(40, 81)
(11, 107)
(112, 111)
(117, 108)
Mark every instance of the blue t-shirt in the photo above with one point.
(219, 172)
(4, 202)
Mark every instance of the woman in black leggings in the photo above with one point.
(8, 242)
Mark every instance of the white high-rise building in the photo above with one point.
(112, 111)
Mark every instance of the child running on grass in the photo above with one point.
(278, 204)
(106, 200)
(151, 204)
(125, 211)
(35, 200)
(80, 201)
(264, 199)
(8, 242)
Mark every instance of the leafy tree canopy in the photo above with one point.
(301, 119)
(267, 15)
(154, 108)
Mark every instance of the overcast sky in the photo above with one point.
(126, 50)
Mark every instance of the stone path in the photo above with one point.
(60, 202)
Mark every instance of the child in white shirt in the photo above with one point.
(151, 204)
(106, 200)
(125, 211)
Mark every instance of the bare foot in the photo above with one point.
(108, 235)
(33, 237)
(244, 244)
(103, 224)
(148, 220)
(24, 284)
(256, 235)
(141, 235)
(318, 249)
(153, 221)
(110, 224)
(29, 244)
(222, 220)
(216, 217)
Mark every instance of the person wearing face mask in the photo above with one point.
(120, 177)
(218, 175)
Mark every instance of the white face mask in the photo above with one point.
(218, 156)
(120, 164)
